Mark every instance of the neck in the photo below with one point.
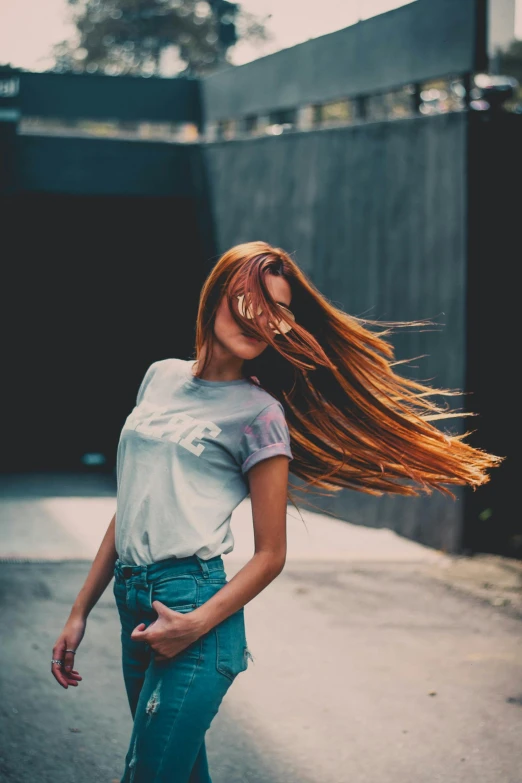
(223, 366)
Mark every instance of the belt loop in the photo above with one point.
(203, 566)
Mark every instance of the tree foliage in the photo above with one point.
(119, 37)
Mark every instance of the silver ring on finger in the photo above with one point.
(57, 660)
(73, 651)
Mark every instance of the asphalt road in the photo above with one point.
(368, 667)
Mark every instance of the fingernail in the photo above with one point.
(68, 668)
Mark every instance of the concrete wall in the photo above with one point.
(100, 97)
(377, 218)
(103, 166)
(494, 523)
(423, 40)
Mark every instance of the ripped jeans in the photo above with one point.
(173, 702)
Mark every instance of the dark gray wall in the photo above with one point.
(104, 167)
(101, 97)
(377, 218)
(493, 308)
(423, 40)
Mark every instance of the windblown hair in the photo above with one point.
(354, 422)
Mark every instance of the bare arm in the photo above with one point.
(99, 576)
(268, 482)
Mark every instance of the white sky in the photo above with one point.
(28, 28)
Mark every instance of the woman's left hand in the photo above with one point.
(169, 634)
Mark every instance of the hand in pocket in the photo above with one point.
(170, 633)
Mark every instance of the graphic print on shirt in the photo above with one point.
(180, 481)
(180, 428)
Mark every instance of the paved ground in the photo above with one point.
(377, 660)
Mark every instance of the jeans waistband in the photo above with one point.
(180, 565)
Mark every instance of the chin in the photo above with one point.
(247, 349)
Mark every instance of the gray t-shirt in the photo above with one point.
(182, 458)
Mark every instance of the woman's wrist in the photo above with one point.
(202, 620)
(79, 613)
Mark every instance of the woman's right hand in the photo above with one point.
(69, 639)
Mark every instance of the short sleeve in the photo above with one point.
(145, 382)
(265, 436)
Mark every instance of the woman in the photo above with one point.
(281, 375)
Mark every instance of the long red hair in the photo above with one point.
(354, 422)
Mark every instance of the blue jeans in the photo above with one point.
(173, 702)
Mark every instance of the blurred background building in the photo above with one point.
(385, 155)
